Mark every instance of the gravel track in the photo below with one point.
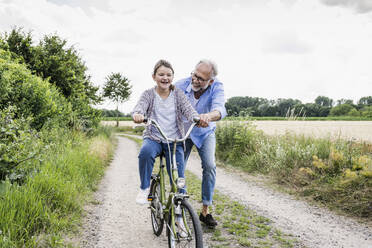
(118, 222)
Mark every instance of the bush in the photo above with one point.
(31, 96)
(18, 144)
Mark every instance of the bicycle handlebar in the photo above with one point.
(156, 124)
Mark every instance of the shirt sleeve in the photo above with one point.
(218, 100)
(142, 104)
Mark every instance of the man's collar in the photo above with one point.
(188, 89)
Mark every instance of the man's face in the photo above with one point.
(201, 77)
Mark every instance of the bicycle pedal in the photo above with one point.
(150, 198)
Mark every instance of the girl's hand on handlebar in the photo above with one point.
(138, 118)
(204, 120)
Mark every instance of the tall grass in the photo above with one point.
(337, 173)
(50, 201)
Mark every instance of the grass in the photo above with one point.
(48, 206)
(335, 173)
(238, 225)
(114, 118)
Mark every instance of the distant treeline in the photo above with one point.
(113, 113)
(283, 107)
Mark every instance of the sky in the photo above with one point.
(273, 49)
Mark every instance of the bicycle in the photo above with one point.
(183, 226)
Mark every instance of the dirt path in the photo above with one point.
(118, 222)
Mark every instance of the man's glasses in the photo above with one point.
(200, 79)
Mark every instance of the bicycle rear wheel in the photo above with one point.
(157, 219)
(188, 229)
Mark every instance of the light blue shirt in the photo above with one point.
(212, 99)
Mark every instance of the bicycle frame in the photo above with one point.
(168, 205)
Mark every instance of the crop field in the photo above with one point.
(349, 130)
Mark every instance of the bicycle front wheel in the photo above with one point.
(186, 230)
(157, 219)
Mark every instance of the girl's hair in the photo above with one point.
(166, 64)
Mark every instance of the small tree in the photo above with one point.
(117, 89)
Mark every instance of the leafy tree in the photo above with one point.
(284, 105)
(365, 101)
(345, 101)
(19, 44)
(342, 109)
(353, 112)
(118, 89)
(324, 101)
(63, 67)
(367, 111)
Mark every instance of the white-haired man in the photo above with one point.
(206, 93)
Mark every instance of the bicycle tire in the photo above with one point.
(193, 238)
(157, 220)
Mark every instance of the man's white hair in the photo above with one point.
(213, 66)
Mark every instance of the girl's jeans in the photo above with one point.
(149, 151)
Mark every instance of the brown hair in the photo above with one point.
(166, 64)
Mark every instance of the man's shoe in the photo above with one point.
(142, 196)
(208, 220)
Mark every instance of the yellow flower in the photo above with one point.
(307, 171)
(350, 174)
(336, 155)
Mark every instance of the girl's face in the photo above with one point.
(163, 77)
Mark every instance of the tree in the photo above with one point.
(324, 101)
(118, 89)
(345, 101)
(62, 66)
(341, 110)
(365, 101)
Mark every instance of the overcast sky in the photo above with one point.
(264, 48)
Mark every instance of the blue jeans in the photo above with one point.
(206, 153)
(149, 151)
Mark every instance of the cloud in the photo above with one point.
(285, 43)
(85, 5)
(361, 6)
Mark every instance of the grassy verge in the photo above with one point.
(114, 118)
(49, 204)
(335, 173)
(239, 226)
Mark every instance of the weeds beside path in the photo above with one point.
(313, 226)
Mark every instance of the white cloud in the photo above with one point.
(271, 49)
(285, 42)
(361, 6)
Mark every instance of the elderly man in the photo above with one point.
(206, 94)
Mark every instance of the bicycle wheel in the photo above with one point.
(157, 219)
(188, 229)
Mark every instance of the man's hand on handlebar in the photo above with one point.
(204, 120)
(138, 118)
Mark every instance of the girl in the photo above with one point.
(165, 104)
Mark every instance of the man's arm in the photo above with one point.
(218, 107)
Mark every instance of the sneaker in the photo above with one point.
(143, 196)
(181, 229)
(208, 220)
